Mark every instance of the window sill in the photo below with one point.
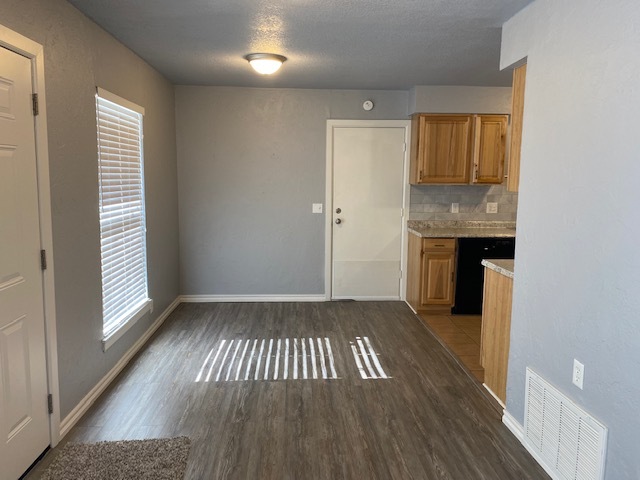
(113, 337)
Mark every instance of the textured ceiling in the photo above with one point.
(341, 44)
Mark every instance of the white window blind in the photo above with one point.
(122, 212)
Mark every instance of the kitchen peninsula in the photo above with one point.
(496, 325)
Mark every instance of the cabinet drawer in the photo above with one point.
(439, 244)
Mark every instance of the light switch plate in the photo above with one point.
(316, 208)
(455, 208)
(492, 207)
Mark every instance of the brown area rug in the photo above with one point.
(158, 459)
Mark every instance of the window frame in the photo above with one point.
(142, 304)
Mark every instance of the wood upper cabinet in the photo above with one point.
(431, 272)
(457, 149)
(490, 133)
(517, 113)
(441, 145)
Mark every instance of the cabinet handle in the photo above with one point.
(438, 245)
(451, 277)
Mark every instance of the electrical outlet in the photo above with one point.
(492, 207)
(316, 208)
(578, 373)
(455, 208)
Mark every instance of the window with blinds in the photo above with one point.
(123, 247)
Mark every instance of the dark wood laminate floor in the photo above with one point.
(429, 421)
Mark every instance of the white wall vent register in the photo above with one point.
(566, 440)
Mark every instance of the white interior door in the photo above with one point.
(23, 378)
(368, 171)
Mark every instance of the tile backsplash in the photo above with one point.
(433, 202)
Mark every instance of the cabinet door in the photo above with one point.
(437, 287)
(489, 148)
(444, 148)
(517, 112)
(414, 271)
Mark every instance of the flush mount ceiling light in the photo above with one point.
(265, 63)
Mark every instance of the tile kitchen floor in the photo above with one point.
(461, 334)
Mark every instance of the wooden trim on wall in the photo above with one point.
(517, 113)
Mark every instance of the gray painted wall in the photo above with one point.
(251, 162)
(577, 277)
(78, 57)
(451, 99)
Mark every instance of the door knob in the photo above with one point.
(338, 221)
(338, 210)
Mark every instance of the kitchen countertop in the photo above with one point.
(462, 229)
(504, 267)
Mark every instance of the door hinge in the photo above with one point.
(400, 272)
(404, 147)
(43, 259)
(34, 100)
(50, 403)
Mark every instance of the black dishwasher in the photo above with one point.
(470, 272)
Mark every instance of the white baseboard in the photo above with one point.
(513, 425)
(365, 298)
(412, 309)
(76, 414)
(518, 431)
(250, 298)
(486, 387)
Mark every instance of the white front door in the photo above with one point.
(368, 177)
(24, 423)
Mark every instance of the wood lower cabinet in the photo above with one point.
(457, 149)
(431, 272)
(496, 330)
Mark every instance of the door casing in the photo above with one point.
(35, 53)
(328, 242)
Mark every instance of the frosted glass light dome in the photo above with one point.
(265, 63)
